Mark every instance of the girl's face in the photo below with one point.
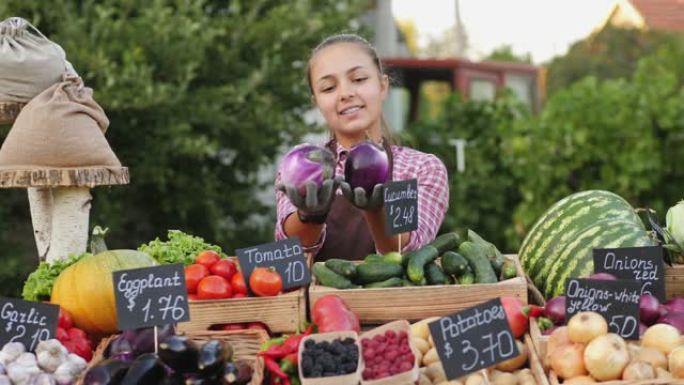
(348, 89)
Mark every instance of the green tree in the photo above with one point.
(505, 53)
(200, 94)
(481, 197)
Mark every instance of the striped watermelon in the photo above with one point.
(559, 245)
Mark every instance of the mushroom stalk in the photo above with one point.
(40, 201)
(70, 221)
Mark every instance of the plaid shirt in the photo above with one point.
(433, 197)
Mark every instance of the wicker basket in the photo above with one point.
(245, 344)
(9, 112)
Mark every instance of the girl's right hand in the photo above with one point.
(360, 199)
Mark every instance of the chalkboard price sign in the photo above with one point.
(473, 339)
(617, 301)
(151, 296)
(285, 256)
(27, 322)
(643, 264)
(401, 206)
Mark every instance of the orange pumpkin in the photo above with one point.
(85, 289)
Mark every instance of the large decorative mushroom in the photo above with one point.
(57, 150)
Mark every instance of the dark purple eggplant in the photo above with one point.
(179, 353)
(118, 345)
(237, 373)
(212, 356)
(142, 339)
(107, 372)
(173, 379)
(367, 165)
(145, 370)
(199, 379)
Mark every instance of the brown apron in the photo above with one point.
(347, 233)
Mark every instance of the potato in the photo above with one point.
(419, 357)
(431, 342)
(505, 379)
(516, 362)
(676, 362)
(568, 361)
(435, 373)
(430, 357)
(475, 379)
(420, 329)
(525, 377)
(424, 380)
(420, 344)
(452, 382)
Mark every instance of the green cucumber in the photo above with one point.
(478, 261)
(342, 267)
(392, 257)
(327, 277)
(454, 263)
(390, 282)
(435, 275)
(466, 279)
(420, 258)
(446, 242)
(493, 254)
(508, 270)
(369, 272)
(373, 258)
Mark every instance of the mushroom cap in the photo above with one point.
(58, 140)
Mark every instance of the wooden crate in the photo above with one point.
(413, 303)
(245, 344)
(674, 281)
(538, 340)
(534, 362)
(284, 313)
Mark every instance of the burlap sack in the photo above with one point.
(29, 62)
(62, 127)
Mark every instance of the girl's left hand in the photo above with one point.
(360, 199)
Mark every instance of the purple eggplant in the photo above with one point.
(117, 346)
(142, 340)
(212, 356)
(674, 318)
(307, 162)
(107, 372)
(237, 373)
(146, 369)
(179, 353)
(367, 166)
(649, 309)
(555, 310)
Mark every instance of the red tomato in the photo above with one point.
(193, 275)
(234, 326)
(265, 282)
(213, 287)
(224, 268)
(70, 346)
(64, 321)
(238, 283)
(207, 258)
(239, 295)
(62, 335)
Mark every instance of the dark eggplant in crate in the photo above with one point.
(179, 353)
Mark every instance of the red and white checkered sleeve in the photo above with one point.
(283, 209)
(433, 201)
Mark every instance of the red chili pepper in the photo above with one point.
(292, 358)
(309, 330)
(291, 344)
(533, 311)
(273, 367)
(275, 352)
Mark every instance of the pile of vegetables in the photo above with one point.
(179, 248)
(444, 261)
(130, 360)
(75, 340)
(583, 352)
(51, 364)
(38, 285)
(510, 372)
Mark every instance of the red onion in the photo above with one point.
(555, 310)
(674, 318)
(307, 162)
(367, 166)
(649, 309)
(603, 276)
(675, 304)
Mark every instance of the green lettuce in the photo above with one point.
(180, 248)
(38, 285)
